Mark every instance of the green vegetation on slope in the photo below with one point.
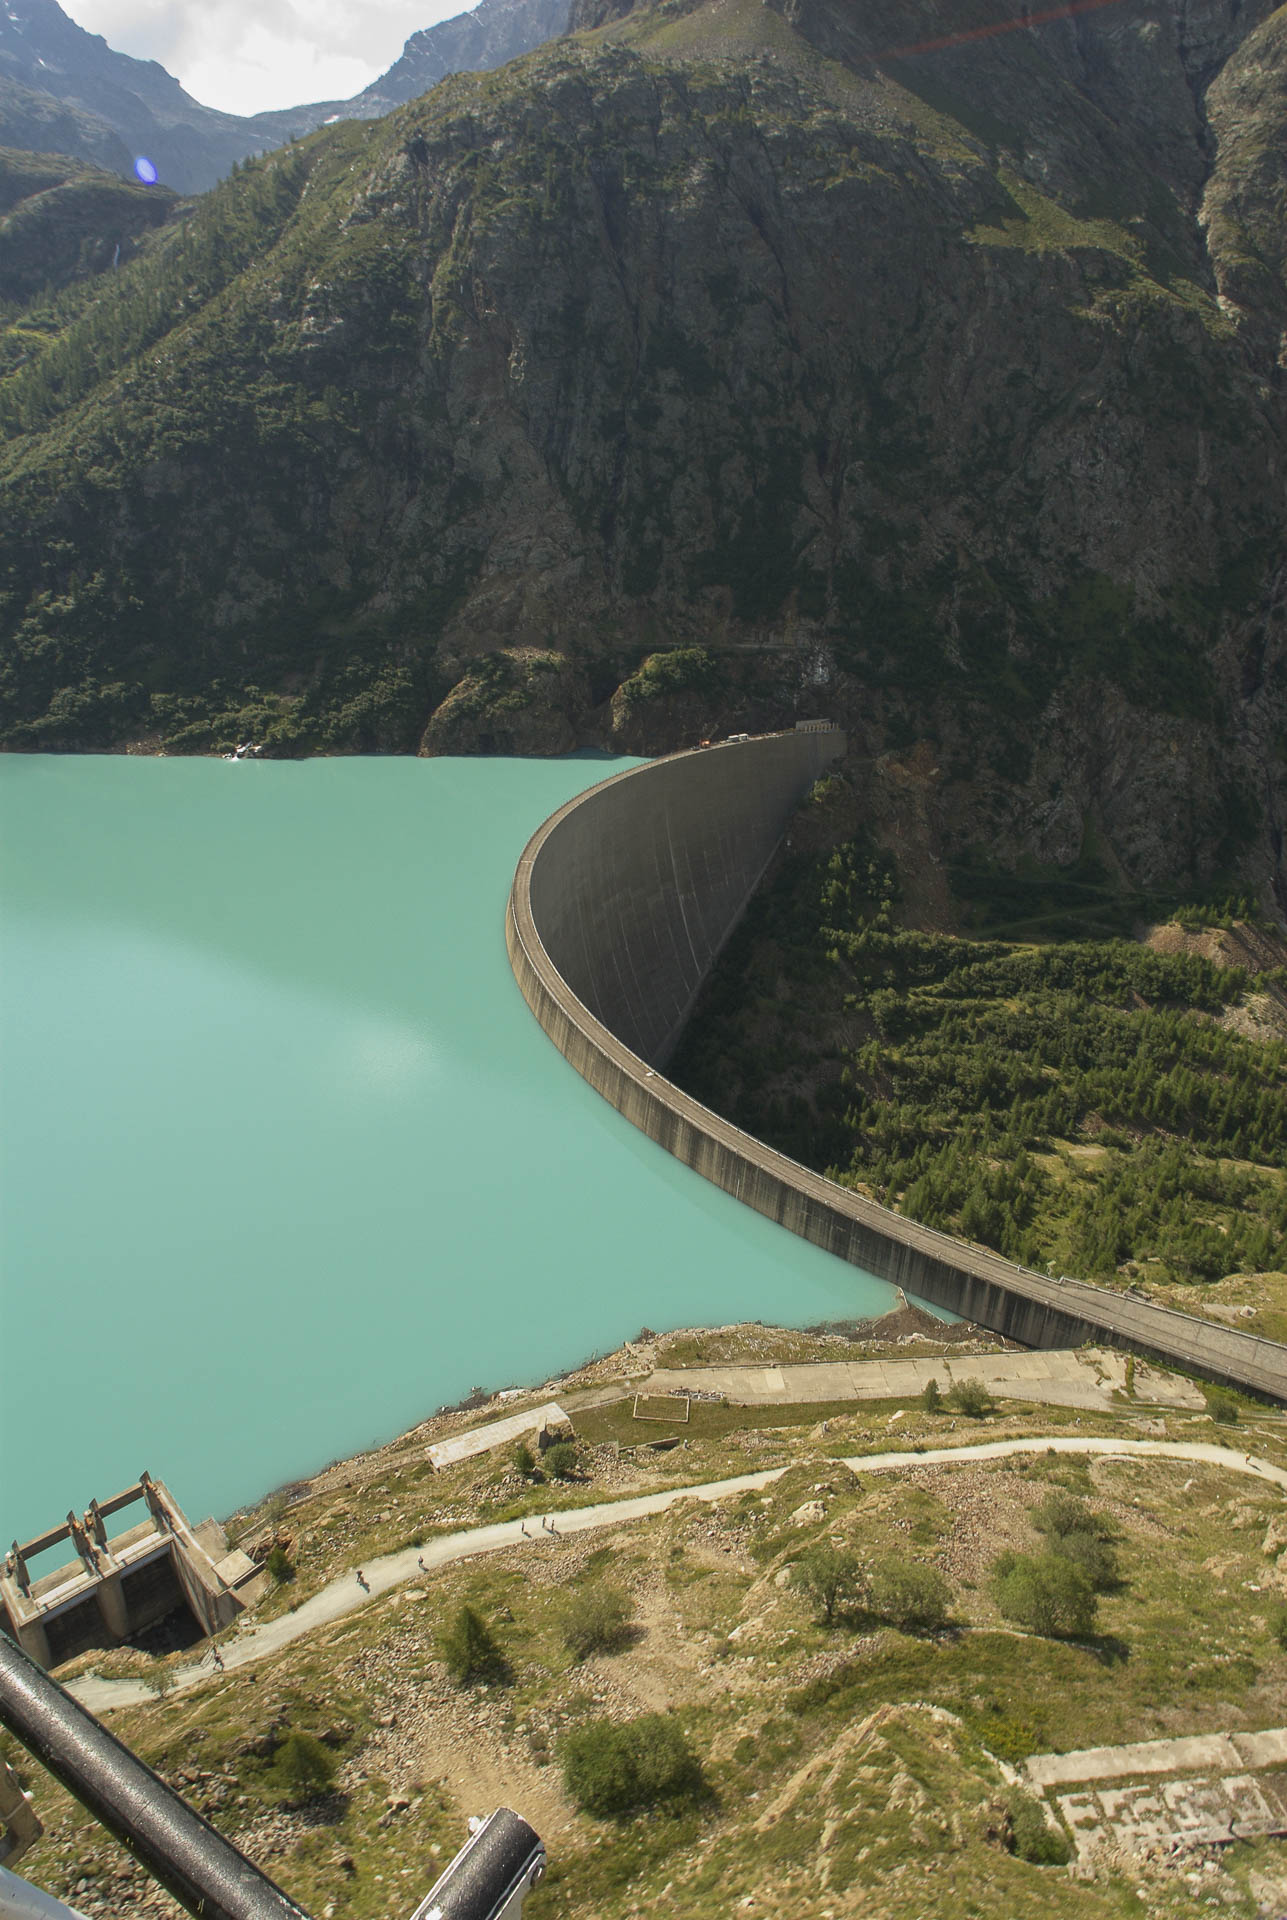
(741, 1748)
(61, 221)
(1077, 1104)
(649, 349)
(182, 365)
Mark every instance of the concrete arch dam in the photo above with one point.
(620, 905)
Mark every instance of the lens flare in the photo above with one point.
(145, 170)
(1026, 18)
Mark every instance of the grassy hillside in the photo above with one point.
(860, 1767)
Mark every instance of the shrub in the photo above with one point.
(1061, 1512)
(467, 1649)
(970, 1397)
(910, 1593)
(1030, 1835)
(1080, 1534)
(524, 1459)
(831, 1579)
(1223, 1407)
(679, 670)
(560, 1460)
(162, 1680)
(278, 1563)
(303, 1765)
(614, 1766)
(1276, 1621)
(932, 1398)
(1091, 1555)
(1045, 1593)
(596, 1620)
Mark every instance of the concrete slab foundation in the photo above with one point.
(1094, 1378)
(549, 1419)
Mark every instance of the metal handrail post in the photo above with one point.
(19, 1900)
(193, 1861)
(488, 1880)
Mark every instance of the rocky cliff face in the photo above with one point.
(942, 390)
(494, 32)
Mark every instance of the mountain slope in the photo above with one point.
(36, 122)
(712, 328)
(46, 53)
(65, 90)
(61, 220)
(489, 35)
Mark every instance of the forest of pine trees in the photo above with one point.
(1075, 1104)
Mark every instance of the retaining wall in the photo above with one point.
(621, 902)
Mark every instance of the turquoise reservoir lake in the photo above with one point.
(286, 1161)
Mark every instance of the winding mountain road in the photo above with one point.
(344, 1596)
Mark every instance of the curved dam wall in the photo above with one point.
(635, 895)
(619, 906)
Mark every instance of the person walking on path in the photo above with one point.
(420, 1562)
(362, 1581)
(337, 1600)
(217, 1657)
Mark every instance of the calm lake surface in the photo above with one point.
(286, 1162)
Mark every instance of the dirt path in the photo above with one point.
(344, 1595)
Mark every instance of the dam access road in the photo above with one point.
(620, 905)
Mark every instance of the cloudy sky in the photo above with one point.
(248, 55)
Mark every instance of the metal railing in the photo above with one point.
(488, 1879)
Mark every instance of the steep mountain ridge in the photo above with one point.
(489, 35)
(44, 51)
(709, 330)
(65, 90)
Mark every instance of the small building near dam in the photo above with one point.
(116, 1585)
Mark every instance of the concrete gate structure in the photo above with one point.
(120, 1584)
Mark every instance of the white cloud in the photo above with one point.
(249, 55)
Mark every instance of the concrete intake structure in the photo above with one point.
(120, 1584)
(619, 907)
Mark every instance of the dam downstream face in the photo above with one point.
(287, 1161)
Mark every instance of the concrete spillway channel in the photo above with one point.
(620, 905)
